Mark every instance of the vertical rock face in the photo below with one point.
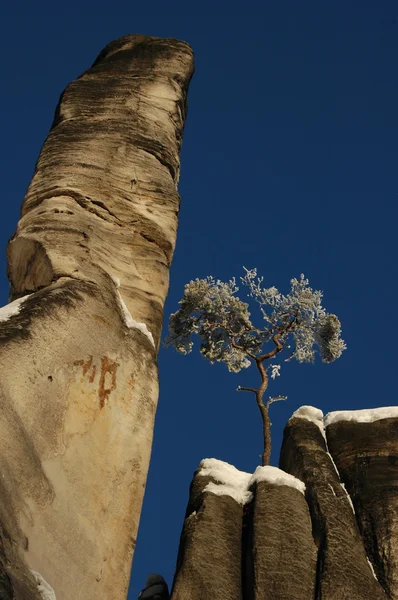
(280, 554)
(209, 560)
(88, 267)
(245, 537)
(343, 570)
(103, 197)
(323, 526)
(366, 455)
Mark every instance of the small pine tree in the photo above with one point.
(296, 323)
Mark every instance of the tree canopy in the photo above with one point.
(296, 323)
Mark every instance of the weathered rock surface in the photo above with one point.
(366, 455)
(245, 537)
(300, 546)
(343, 569)
(209, 560)
(279, 551)
(78, 352)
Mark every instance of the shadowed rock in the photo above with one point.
(88, 268)
(300, 537)
(245, 537)
(209, 559)
(279, 551)
(156, 589)
(343, 570)
(366, 455)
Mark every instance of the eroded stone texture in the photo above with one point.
(209, 559)
(366, 455)
(279, 551)
(320, 545)
(343, 570)
(79, 385)
(103, 196)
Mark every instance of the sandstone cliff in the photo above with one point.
(323, 526)
(88, 269)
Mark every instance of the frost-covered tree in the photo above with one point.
(294, 326)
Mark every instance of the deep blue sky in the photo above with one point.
(289, 164)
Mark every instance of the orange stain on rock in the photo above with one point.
(92, 375)
(108, 366)
(86, 364)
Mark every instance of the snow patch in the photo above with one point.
(231, 481)
(348, 497)
(235, 483)
(116, 281)
(372, 569)
(331, 487)
(130, 322)
(367, 415)
(45, 589)
(9, 310)
(311, 414)
(240, 495)
(333, 463)
(277, 477)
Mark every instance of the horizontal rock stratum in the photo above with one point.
(89, 270)
(323, 526)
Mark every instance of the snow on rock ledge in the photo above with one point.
(12, 309)
(237, 484)
(310, 413)
(277, 477)
(361, 416)
(45, 589)
(131, 323)
(231, 481)
(355, 416)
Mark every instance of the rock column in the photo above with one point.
(88, 268)
(343, 570)
(210, 554)
(366, 456)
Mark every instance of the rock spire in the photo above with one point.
(89, 269)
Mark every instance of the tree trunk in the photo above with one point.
(89, 264)
(266, 422)
(266, 457)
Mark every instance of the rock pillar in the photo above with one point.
(88, 267)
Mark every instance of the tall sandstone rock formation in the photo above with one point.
(322, 527)
(88, 268)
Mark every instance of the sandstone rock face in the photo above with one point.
(333, 539)
(209, 560)
(88, 267)
(343, 569)
(366, 455)
(280, 553)
(245, 537)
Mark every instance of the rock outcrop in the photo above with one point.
(323, 526)
(278, 548)
(88, 268)
(209, 560)
(366, 455)
(343, 568)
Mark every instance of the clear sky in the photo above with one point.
(289, 164)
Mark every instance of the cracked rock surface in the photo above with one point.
(89, 263)
(366, 455)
